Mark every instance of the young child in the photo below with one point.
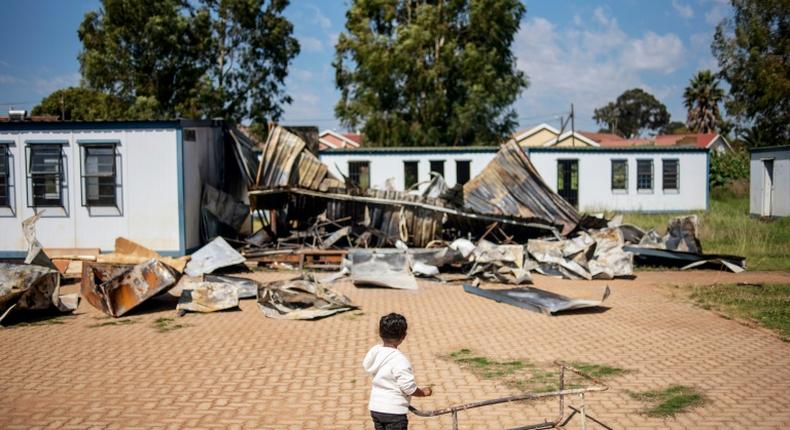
(393, 380)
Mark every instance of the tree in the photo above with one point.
(203, 58)
(633, 111)
(81, 104)
(702, 98)
(674, 127)
(752, 47)
(429, 73)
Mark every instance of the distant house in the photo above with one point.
(769, 191)
(330, 139)
(544, 135)
(98, 180)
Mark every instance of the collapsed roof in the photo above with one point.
(298, 189)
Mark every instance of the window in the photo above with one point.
(45, 175)
(462, 171)
(410, 173)
(99, 175)
(568, 181)
(437, 166)
(5, 176)
(670, 174)
(359, 173)
(620, 175)
(644, 175)
(190, 135)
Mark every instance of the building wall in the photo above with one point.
(390, 165)
(538, 139)
(148, 199)
(595, 171)
(571, 141)
(780, 204)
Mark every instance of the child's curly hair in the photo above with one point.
(392, 327)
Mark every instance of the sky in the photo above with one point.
(581, 52)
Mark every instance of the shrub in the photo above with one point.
(727, 167)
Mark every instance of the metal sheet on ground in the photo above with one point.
(537, 300)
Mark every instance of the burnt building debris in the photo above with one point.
(302, 298)
(537, 300)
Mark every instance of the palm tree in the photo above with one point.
(702, 98)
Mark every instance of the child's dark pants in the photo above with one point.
(382, 421)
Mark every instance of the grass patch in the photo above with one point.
(670, 401)
(527, 376)
(767, 305)
(727, 228)
(38, 322)
(164, 325)
(124, 321)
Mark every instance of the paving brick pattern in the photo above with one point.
(241, 370)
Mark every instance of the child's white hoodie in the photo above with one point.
(393, 380)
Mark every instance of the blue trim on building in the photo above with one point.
(182, 230)
(98, 141)
(411, 150)
(104, 125)
(771, 148)
(12, 255)
(597, 149)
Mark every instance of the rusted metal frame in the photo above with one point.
(561, 393)
(375, 200)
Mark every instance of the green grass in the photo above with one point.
(527, 376)
(39, 322)
(164, 325)
(124, 321)
(727, 228)
(670, 401)
(768, 305)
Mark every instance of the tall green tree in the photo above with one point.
(702, 98)
(632, 112)
(202, 58)
(752, 47)
(82, 104)
(414, 72)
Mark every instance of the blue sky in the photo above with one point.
(581, 52)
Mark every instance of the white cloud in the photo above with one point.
(45, 86)
(588, 64)
(302, 74)
(9, 80)
(717, 12)
(654, 52)
(311, 44)
(683, 9)
(319, 18)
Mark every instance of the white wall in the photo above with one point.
(384, 165)
(595, 171)
(148, 201)
(780, 204)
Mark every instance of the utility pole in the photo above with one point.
(573, 126)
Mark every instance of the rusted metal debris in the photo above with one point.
(301, 299)
(208, 297)
(115, 289)
(537, 300)
(381, 268)
(297, 192)
(29, 287)
(131, 253)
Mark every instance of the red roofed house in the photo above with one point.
(709, 141)
(329, 139)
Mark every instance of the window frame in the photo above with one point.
(468, 164)
(85, 149)
(652, 172)
(352, 173)
(5, 173)
(664, 176)
(624, 189)
(416, 164)
(60, 177)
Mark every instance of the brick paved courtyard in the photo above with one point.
(241, 370)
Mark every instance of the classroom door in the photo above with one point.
(568, 181)
(768, 186)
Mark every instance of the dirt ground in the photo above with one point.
(239, 369)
